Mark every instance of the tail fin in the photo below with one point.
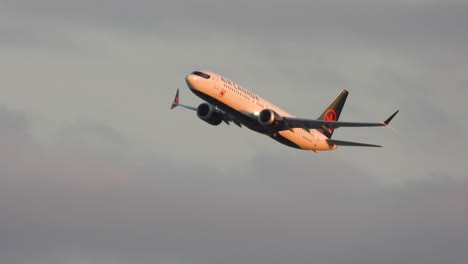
(332, 112)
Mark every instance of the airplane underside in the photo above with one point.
(251, 123)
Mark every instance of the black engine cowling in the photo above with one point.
(208, 113)
(269, 118)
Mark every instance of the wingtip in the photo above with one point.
(175, 103)
(386, 122)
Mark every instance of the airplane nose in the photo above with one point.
(191, 79)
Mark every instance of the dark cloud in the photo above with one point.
(80, 207)
(396, 26)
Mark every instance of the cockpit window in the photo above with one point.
(201, 74)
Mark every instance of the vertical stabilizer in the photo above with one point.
(332, 112)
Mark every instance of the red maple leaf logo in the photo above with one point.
(330, 115)
(222, 93)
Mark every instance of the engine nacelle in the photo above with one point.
(269, 118)
(208, 113)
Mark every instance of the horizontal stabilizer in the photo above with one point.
(349, 143)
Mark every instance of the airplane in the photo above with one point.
(226, 101)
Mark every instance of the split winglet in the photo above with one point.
(386, 122)
(176, 100)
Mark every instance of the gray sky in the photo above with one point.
(94, 168)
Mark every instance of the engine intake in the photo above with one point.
(208, 113)
(269, 118)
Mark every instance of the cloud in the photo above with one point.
(86, 205)
(94, 168)
(417, 27)
(119, 63)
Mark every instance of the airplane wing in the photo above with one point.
(292, 122)
(227, 118)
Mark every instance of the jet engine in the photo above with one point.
(269, 118)
(208, 113)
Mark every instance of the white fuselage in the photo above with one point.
(245, 105)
